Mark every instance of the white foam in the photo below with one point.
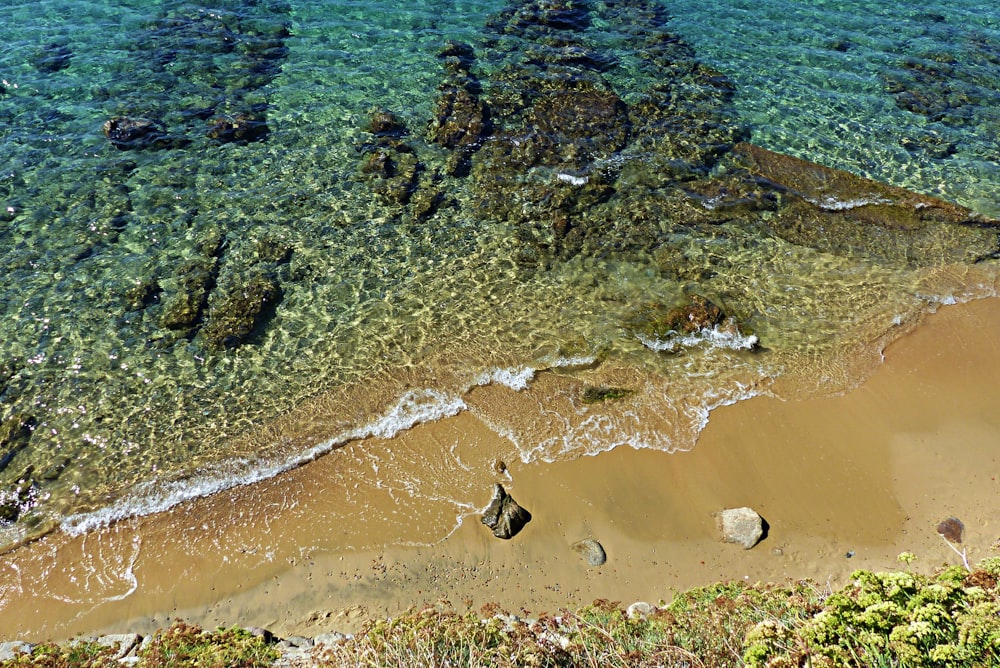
(831, 203)
(596, 433)
(573, 362)
(413, 408)
(572, 179)
(516, 378)
(519, 378)
(713, 336)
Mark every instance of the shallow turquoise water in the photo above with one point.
(816, 81)
(125, 398)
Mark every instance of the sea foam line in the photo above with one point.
(831, 203)
(713, 336)
(414, 407)
(519, 378)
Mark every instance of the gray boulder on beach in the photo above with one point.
(592, 551)
(741, 525)
(503, 516)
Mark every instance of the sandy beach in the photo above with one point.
(844, 482)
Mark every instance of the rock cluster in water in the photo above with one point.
(535, 125)
(213, 63)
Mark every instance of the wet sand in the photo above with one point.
(867, 474)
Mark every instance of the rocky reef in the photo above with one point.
(537, 124)
(214, 64)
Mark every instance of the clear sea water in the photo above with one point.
(120, 397)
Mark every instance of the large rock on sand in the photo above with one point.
(503, 516)
(740, 525)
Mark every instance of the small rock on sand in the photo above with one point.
(592, 551)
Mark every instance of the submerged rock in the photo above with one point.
(384, 123)
(594, 394)
(135, 133)
(503, 516)
(240, 127)
(740, 525)
(392, 169)
(19, 498)
(194, 279)
(659, 321)
(141, 294)
(844, 214)
(591, 551)
(236, 315)
(52, 57)
(15, 432)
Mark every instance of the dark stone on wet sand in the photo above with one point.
(503, 516)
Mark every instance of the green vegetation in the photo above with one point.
(180, 645)
(891, 619)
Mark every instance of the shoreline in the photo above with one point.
(868, 473)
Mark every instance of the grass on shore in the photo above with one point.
(884, 619)
(179, 645)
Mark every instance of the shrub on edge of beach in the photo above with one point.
(895, 618)
(890, 619)
(179, 645)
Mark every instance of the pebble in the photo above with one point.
(640, 609)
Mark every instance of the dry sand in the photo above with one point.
(868, 474)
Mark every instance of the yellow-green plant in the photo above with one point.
(893, 619)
